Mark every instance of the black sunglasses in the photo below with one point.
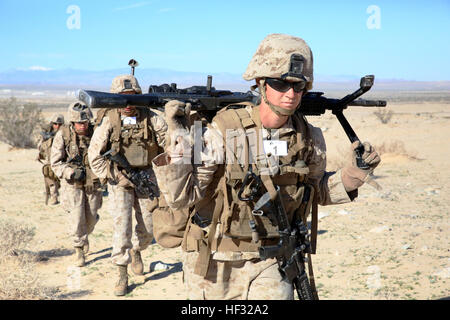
(284, 86)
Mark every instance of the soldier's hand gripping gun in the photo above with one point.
(313, 103)
(293, 245)
(79, 174)
(139, 178)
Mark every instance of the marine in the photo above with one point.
(138, 134)
(80, 187)
(44, 145)
(224, 233)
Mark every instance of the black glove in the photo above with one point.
(78, 174)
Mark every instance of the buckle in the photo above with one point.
(200, 221)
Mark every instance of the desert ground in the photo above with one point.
(392, 242)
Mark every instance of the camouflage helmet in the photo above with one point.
(125, 83)
(57, 118)
(79, 112)
(282, 56)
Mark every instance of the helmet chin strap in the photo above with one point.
(276, 109)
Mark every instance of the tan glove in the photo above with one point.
(177, 114)
(354, 177)
(123, 181)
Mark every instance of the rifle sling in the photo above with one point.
(312, 282)
(204, 257)
(314, 223)
(268, 183)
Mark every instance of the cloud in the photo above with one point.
(132, 6)
(30, 55)
(39, 68)
(35, 68)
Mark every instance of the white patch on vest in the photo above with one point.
(275, 147)
(129, 120)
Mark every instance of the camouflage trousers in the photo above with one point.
(51, 187)
(121, 204)
(236, 280)
(82, 207)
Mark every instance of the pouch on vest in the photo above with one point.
(138, 142)
(169, 225)
(45, 148)
(48, 172)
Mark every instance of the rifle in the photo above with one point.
(139, 178)
(208, 100)
(292, 246)
(76, 163)
(47, 135)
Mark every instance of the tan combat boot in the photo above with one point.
(86, 247)
(79, 257)
(136, 262)
(53, 200)
(122, 283)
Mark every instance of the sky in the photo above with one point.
(392, 39)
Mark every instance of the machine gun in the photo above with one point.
(208, 100)
(139, 178)
(293, 245)
(205, 99)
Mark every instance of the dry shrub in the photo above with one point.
(344, 156)
(14, 237)
(395, 147)
(19, 123)
(18, 279)
(383, 115)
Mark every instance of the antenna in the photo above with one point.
(133, 64)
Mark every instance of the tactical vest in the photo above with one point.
(76, 147)
(137, 142)
(230, 217)
(45, 148)
(44, 153)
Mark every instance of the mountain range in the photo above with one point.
(71, 79)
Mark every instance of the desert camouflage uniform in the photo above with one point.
(124, 199)
(80, 202)
(52, 184)
(44, 145)
(235, 274)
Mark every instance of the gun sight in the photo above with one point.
(133, 64)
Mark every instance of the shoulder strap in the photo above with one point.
(202, 264)
(114, 119)
(65, 132)
(100, 114)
